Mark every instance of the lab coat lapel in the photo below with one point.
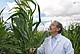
(56, 43)
(50, 47)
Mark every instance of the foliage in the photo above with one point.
(73, 33)
(5, 37)
(22, 26)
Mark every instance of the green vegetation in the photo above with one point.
(73, 33)
(23, 35)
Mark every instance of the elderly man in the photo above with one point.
(56, 43)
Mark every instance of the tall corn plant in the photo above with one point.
(3, 33)
(22, 26)
(5, 36)
(73, 33)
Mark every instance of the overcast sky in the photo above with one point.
(60, 7)
(51, 9)
(60, 10)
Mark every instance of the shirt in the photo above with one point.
(53, 40)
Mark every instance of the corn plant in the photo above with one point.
(22, 24)
(73, 33)
(5, 37)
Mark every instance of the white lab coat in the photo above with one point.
(61, 46)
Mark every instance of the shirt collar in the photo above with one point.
(56, 37)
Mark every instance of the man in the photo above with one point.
(56, 43)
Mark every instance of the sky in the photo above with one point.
(60, 7)
(60, 10)
(3, 3)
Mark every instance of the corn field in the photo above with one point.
(73, 33)
(21, 36)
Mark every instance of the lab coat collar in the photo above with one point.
(58, 37)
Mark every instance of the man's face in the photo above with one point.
(53, 27)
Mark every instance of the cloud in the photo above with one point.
(7, 10)
(9, 6)
(60, 7)
(64, 11)
(65, 21)
(54, 7)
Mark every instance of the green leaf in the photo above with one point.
(15, 48)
